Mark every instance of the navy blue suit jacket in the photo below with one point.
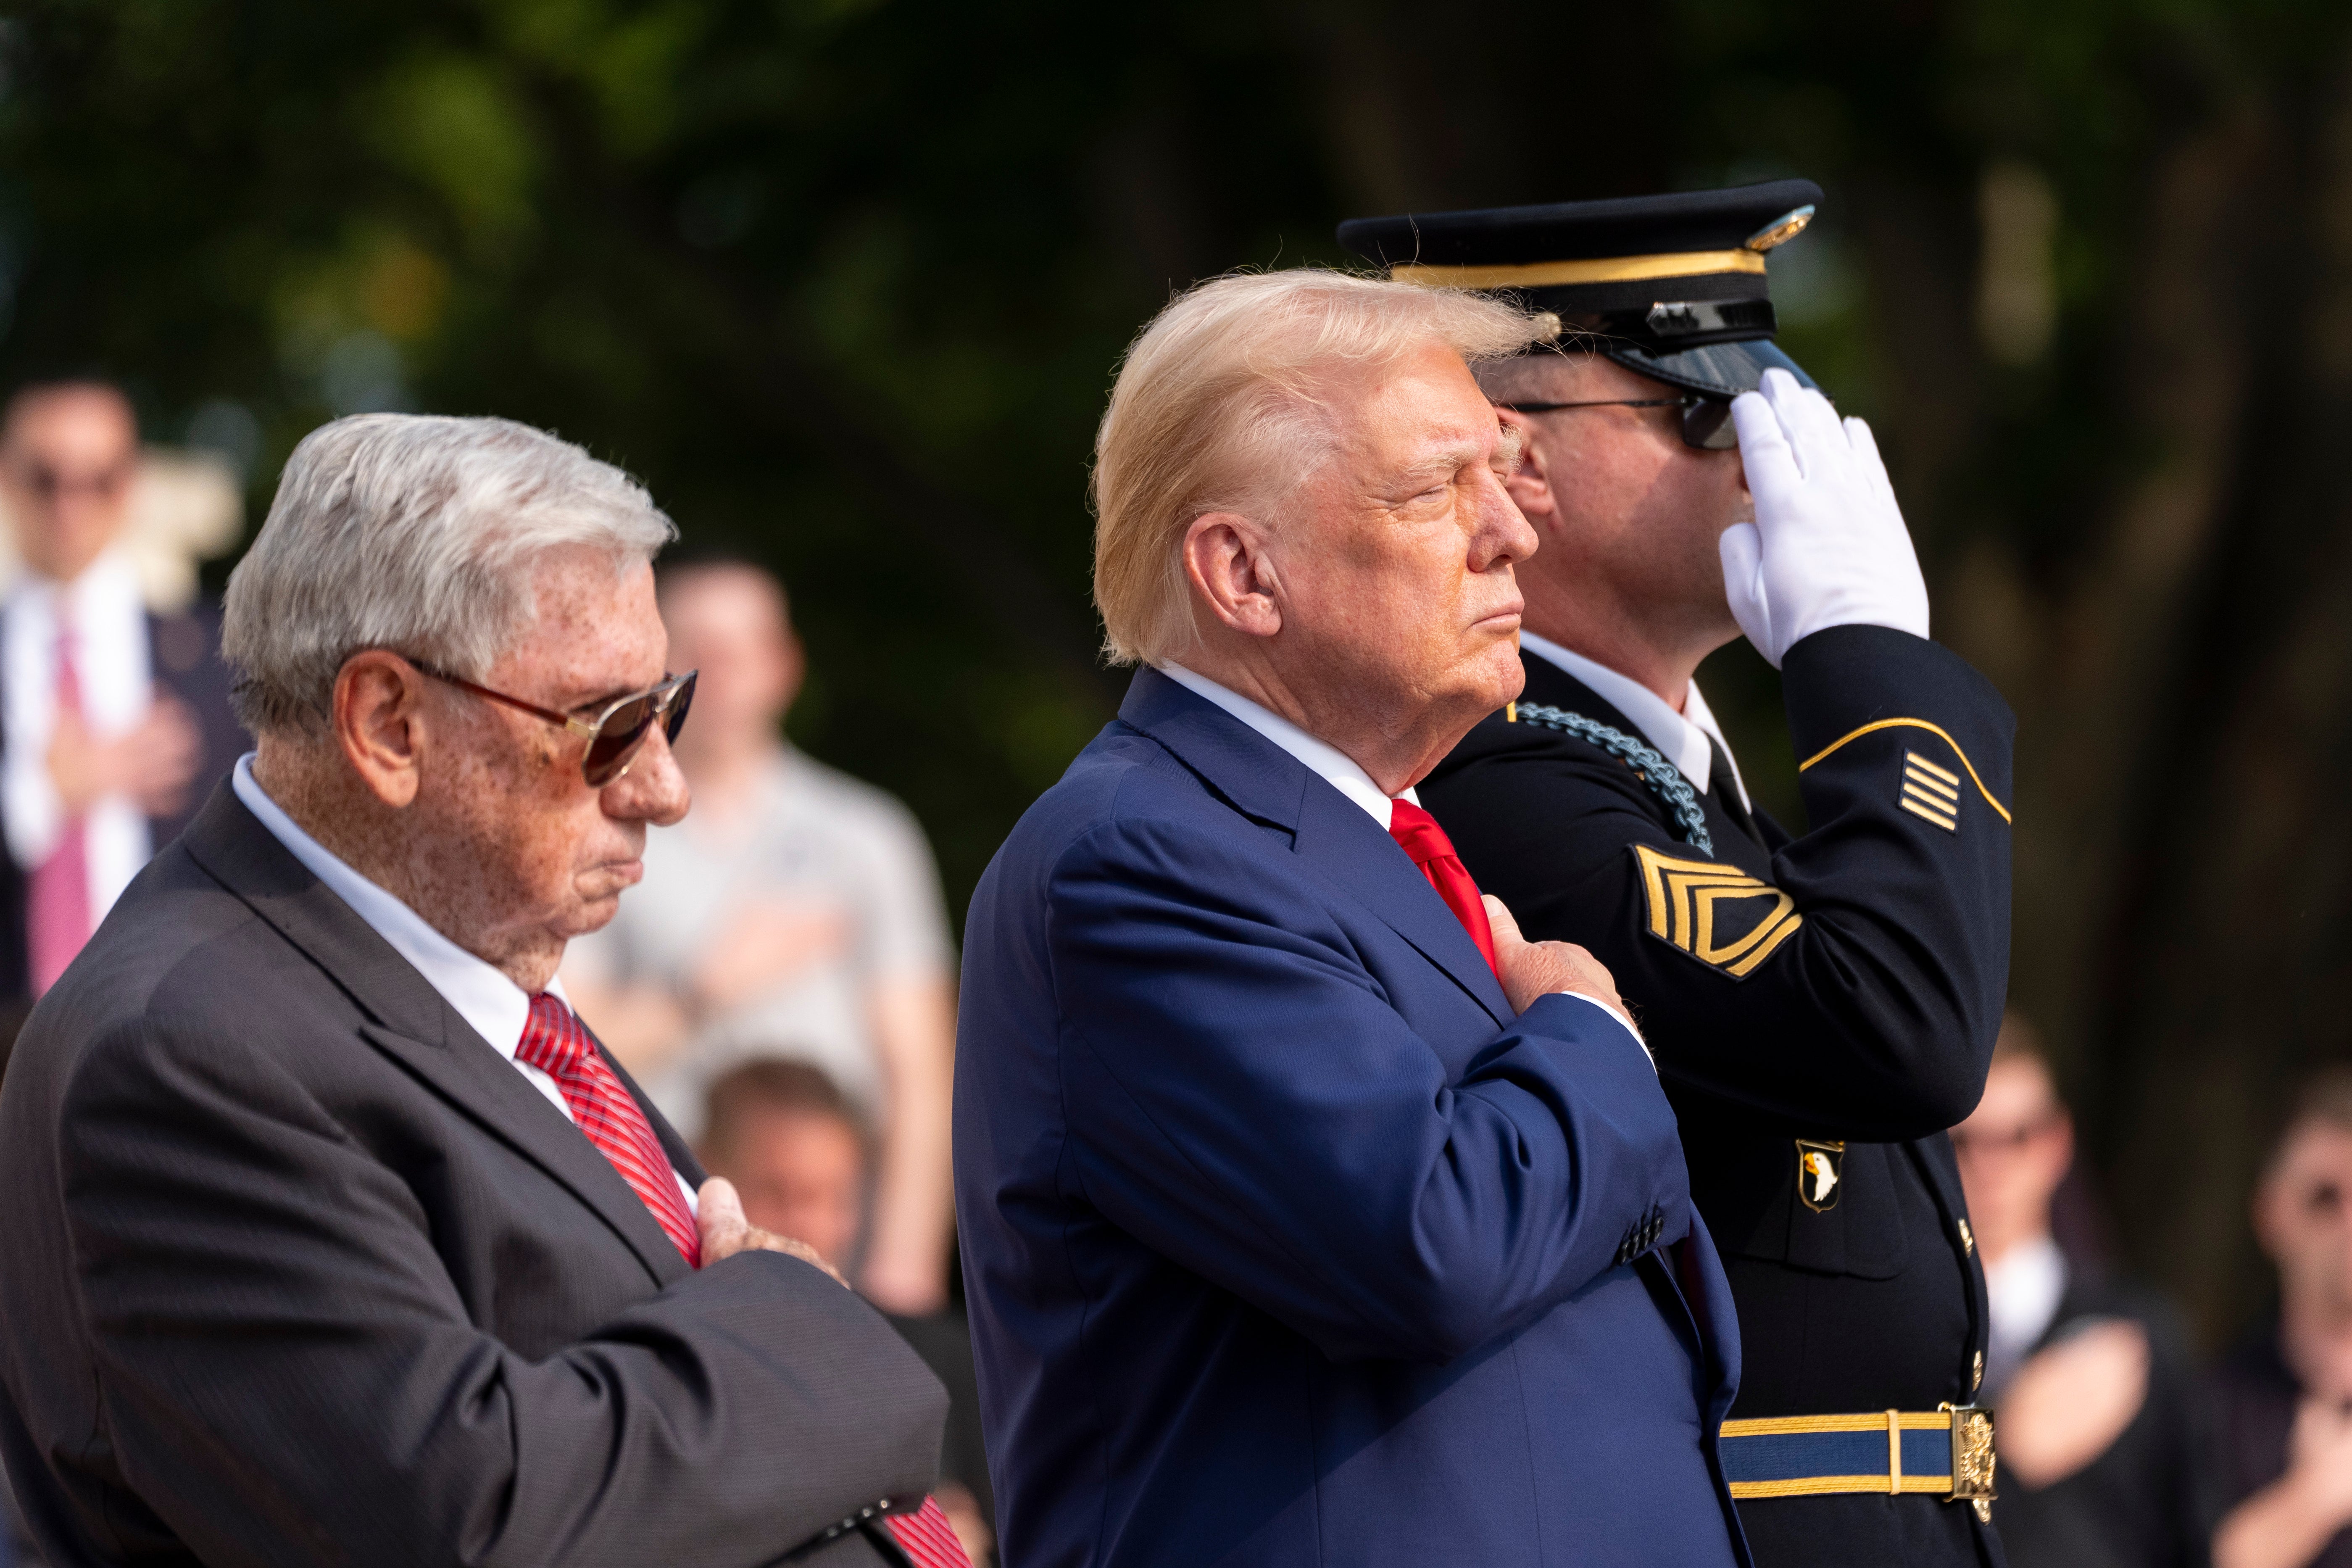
(1286, 1241)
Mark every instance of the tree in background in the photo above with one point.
(845, 281)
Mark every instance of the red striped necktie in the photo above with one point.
(926, 1538)
(557, 1044)
(1420, 836)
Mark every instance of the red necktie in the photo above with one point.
(556, 1044)
(926, 1538)
(57, 895)
(1418, 832)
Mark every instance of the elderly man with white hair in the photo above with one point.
(1310, 1215)
(331, 1234)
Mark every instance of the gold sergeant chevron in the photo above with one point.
(1694, 904)
(1930, 792)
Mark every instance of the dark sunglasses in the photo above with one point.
(614, 735)
(1707, 421)
(2008, 1142)
(50, 484)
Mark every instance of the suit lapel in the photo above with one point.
(473, 1076)
(1342, 841)
(1327, 830)
(410, 1023)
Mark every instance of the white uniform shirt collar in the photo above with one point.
(1682, 737)
(482, 994)
(1321, 758)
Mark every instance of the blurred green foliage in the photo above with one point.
(845, 281)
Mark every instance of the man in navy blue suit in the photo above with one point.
(1309, 1214)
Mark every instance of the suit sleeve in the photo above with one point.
(1246, 1100)
(1855, 988)
(286, 1375)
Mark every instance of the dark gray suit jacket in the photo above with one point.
(296, 1268)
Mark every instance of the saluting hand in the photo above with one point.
(719, 1212)
(1828, 547)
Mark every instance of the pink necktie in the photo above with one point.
(1417, 833)
(56, 896)
(556, 1044)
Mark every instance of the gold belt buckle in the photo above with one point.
(1972, 1457)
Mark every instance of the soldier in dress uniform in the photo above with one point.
(1822, 1007)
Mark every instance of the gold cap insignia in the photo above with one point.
(1780, 230)
(1712, 911)
(1820, 1171)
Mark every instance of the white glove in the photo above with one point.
(1828, 547)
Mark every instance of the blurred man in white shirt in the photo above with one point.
(113, 722)
(796, 911)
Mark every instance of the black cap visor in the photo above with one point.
(1714, 370)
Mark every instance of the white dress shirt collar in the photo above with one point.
(496, 1008)
(482, 994)
(1682, 737)
(1320, 758)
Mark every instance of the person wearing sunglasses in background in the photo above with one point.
(333, 1234)
(114, 718)
(1822, 1007)
(2281, 1398)
(2101, 1431)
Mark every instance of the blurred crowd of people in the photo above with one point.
(2116, 1448)
(783, 985)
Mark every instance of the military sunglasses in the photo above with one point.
(1707, 421)
(614, 734)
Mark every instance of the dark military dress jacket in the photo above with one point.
(1821, 1009)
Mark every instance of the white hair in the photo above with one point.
(1223, 404)
(413, 533)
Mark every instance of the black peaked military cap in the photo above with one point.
(1673, 286)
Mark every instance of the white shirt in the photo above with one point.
(846, 865)
(1680, 737)
(1338, 769)
(498, 1009)
(110, 665)
(2022, 1291)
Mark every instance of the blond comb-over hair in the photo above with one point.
(1220, 406)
